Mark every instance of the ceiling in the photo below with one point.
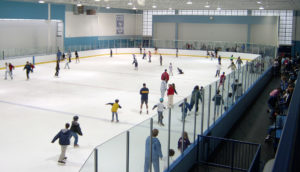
(182, 4)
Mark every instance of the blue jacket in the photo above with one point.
(218, 99)
(144, 93)
(186, 107)
(156, 148)
(64, 137)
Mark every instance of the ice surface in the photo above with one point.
(32, 112)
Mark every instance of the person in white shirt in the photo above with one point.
(171, 69)
(218, 70)
(160, 109)
(163, 88)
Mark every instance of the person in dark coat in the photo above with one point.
(57, 68)
(64, 136)
(75, 129)
(196, 96)
(28, 69)
(185, 141)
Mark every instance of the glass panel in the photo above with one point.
(89, 164)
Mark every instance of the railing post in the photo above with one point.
(195, 119)
(202, 117)
(150, 160)
(183, 125)
(96, 160)
(127, 151)
(169, 136)
(209, 98)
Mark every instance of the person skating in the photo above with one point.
(239, 62)
(171, 69)
(57, 68)
(6, 70)
(165, 76)
(163, 88)
(77, 57)
(32, 67)
(196, 96)
(135, 62)
(111, 53)
(144, 97)
(144, 55)
(149, 53)
(185, 107)
(68, 60)
(28, 69)
(160, 109)
(222, 80)
(160, 59)
(58, 55)
(232, 66)
(114, 109)
(219, 60)
(11, 68)
(218, 70)
(180, 71)
(170, 95)
(75, 129)
(64, 136)
(218, 99)
(177, 52)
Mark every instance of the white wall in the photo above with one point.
(26, 34)
(164, 31)
(213, 32)
(101, 24)
(264, 34)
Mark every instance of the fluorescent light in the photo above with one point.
(189, 2)
(134, 8)
(219, 8)
(261, 8)
(41, 2)
(154, 6)
(79, 5)
(107, 7)
(170, 8)
(129, 3)
(206, 6)
(97, 0)
(258, 2)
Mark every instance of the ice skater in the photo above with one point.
(160, 59)
(6, 70)
(144, 97)
(149, 54)
(218, 70)
(64, 136)
(219, 60)
(135, 62)
(144, 55)
(160, 109)
(28, 69)
(165, 76)
(239, 62)
(170, 94)
(68, 61)
(196, 96)
(163, 88)
(77, 57)
(218, 99)
(185, 107)
(177, 52)
(232, 66)
(111, 53)
(57, 68)
(75, 129)
(222, 80)
(140, 49)
(11, 68)
(180, 71)
(114, 109)
(171, 69)
(58, 55)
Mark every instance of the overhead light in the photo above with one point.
(219, 8)
(41, 2)
(97, 0)
(261, 8)
(129, 3)
(134, 8)
(154, 6)
(258, 2)
(206, 6)
(108, 7)
(170, 8)
(79, 5)
(189, 2)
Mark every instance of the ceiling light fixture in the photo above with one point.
(41, 2)
(206, 6)
(129, 3)
(219, 8)
(97, 0)
(153, 6)
(170, 8)
(79, 5)
(134, 8)
(258, 2)
(189, 2)
(108, 7)
(261, 8)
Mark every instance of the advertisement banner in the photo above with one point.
(120, 24)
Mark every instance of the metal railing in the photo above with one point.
(226, 153)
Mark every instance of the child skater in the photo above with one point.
(218, 70)
(179, 71)
(135, 62)
(28, 69)
(160, 59)
(185, 106)
(171, 69)
(114, 109)
(57, 68)
(144, 55)
(11, 68)
(77, 57)
(160, 109)
(149, 53)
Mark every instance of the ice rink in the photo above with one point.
(34, 111)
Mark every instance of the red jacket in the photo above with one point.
(165, 76)
(11, 67)
(171, 90)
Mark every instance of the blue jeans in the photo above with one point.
(155, 162)
(75, 135)
(160, 117)
(113, 114)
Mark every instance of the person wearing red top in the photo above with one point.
(222, 80)
(170, 94)
(165, 76)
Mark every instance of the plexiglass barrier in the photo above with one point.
(127, 151)
(264, 50)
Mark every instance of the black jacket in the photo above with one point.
(75, 127)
